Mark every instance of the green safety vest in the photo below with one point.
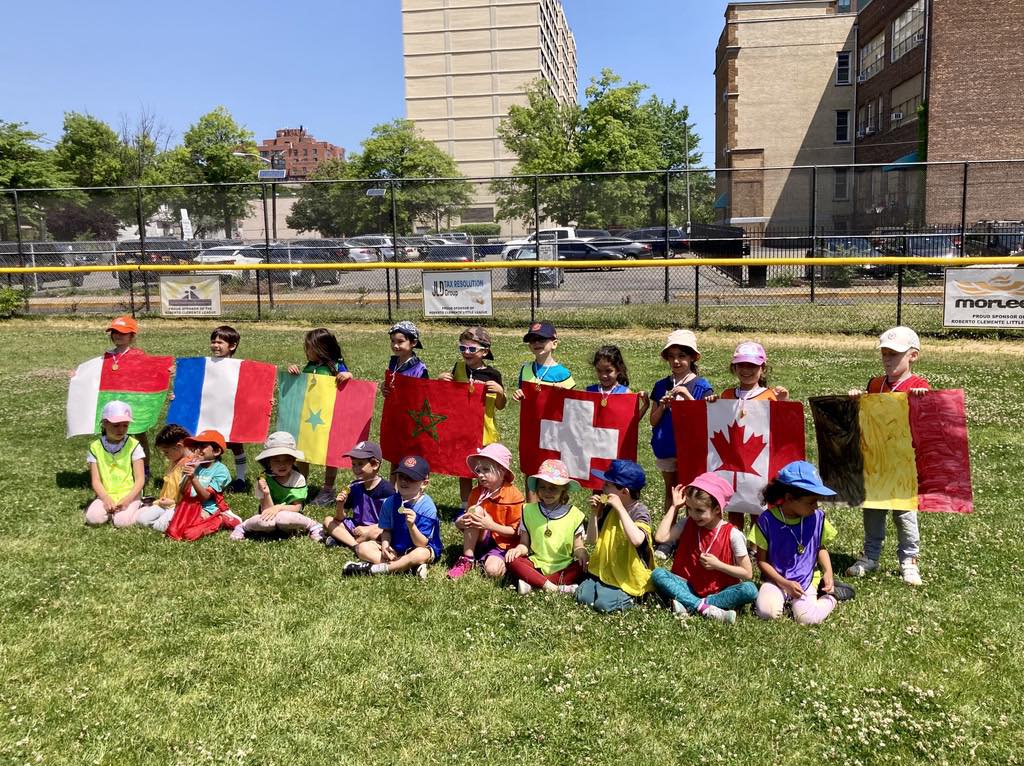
(551, 553)
(116, 473)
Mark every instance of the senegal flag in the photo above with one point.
(134, 377)
(325, 420)
(896, 451)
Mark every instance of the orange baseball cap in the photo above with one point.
(209, 436)
(123, 324)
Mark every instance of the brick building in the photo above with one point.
(301, 152)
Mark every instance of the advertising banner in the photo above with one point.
(457, 294)
(191, 295)
(984, 298)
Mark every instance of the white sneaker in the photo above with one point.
(326, 497)
(568, 589)
(911, 574)
(421, 571)
(861, 567)
(678, 608)
(524, 588)
(727, 616)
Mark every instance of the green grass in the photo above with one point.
(119, 647)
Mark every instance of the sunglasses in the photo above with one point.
(471, 349)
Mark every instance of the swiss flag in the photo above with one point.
(586, 431)
(746, 443)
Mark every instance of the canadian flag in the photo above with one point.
(586, 431)
(746, 443)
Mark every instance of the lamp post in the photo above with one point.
(273, 185)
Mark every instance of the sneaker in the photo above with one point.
(568, 589)
(679, 609)
(840, 591)
(238, 486)
(356, 568)
(326, 497)
(861, 567)
(524, 588)
(330, 542)
(462, 567)
(728, 616)
(316, 533)
(910, 573)
(421, 571)
(663, 551)
(237, 533)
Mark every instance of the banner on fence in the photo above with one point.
(194, 295)
(457, 294)
(984, 298)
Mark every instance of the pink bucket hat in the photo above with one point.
(749, 352)
(496, 453)
(715, 486)
(553, 472)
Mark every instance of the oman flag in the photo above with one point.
(233, 396)
(134, 377)
(746, 443)
(586, 431)
(325, 420)
(435, 419)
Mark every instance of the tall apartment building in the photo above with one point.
(300, 151)
(468, 61)
(785, 96)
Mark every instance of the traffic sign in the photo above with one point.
(272, 175)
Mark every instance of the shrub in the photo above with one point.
(12, 300)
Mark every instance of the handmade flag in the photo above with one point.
(586, 431)
(325, 420)
(744, 442)
(134, 377)
(894, 451)
(233, 396)
(435, 419)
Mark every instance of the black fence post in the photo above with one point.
(534, 278)
(814, 225)
(899, 294)
(131, 291)
(963, 212)
(394, 243)
(142, 246)
(696, 297)
(667, 248)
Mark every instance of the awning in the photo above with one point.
(722, 203)
(906, 159)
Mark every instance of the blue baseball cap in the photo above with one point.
(623, 473)
(413, 467)
(803, 475)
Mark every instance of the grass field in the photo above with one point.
(120, 647)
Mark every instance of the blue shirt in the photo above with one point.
(427, 522)
(552, 374)
(215, 477)
(618, 388)
(663, 441)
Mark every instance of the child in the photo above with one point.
(711, 570)
(620, 531)
(323, 355)
(170, 440)
(475, 347)
(791, 536)
(900, 348)
(116, 469)
(551, 554)
(543, 370)
(613, 377)
(405, 339)
(280, 493)
(410, 536)
(224, 342)
(750, 366)
(491, 525)
(123, 331)
(205, 474)
(681, 354)
(364, 497)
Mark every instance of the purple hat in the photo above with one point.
(750, 352)
(715, 486)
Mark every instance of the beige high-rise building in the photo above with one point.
(468, 61)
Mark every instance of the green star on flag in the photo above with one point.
(314, 419)
(425, 421)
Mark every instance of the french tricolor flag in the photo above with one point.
(233, 396)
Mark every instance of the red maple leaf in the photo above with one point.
(737, 454)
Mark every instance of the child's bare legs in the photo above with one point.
(465, 487)
(669, 477)
(340, 531)
(737, 519)
(494, 565)
(371, 551)
(330, 474)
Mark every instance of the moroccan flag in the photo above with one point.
(435, 419)
(137, 378)
(584, 430)
(233, 396)
(325, 420)
(746, 443)
(895, 451)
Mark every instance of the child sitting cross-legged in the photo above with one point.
(358, 506)
(171, 443)
(116, 469)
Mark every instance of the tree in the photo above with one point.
(24, 165)
(427, 186)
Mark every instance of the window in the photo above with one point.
(843, 126)
(841, 190)
(862, 121)
(843, 6)
(843, 68)
(908, 30)
(905, 99)
(872, 57)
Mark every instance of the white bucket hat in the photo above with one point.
(280, 443)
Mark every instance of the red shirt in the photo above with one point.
(880, 385)
(692, 542)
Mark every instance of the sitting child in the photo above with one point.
(711, 570)
(551, 554)
(364, 497)
(170, 441)
(116, 469)
(281, 493)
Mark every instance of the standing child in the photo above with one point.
(405, 339)
(123, 331)
(620, 531)
(711, 571)
(116, 469)
(551, 554)
(410, 536)
(364, 497)
(323, 355)
(475, 348)
(224, 342)
(544, 370)
(491, 525)
(170, 440)
(900, 348)
(791, 536)
(683, 383)
(613, 377)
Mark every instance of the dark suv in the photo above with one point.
(42, 254)
(159, 251)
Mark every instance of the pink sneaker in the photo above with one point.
(462, 567)
(237, 533)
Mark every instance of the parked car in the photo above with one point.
(454, 236)
(410, 248)
(519, 279)
(654, 236)
(627, 247)
(239, 255)
(164, 251)
(996, 238)
(932, 246)
(306, 252)
(436, 249)
(43, 254)
(357, 252)
(383, 244)
(853, 247)
(584, 251)
(555, 234)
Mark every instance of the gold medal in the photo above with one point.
(604, 402)
(547, 532)
(472, 387)
(800, 548)
(113, 366)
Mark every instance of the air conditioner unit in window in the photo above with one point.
(862, 77)
(896, 116)
(870, 131)
(918, 38)
(860, 134)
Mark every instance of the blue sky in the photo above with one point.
(333, 66)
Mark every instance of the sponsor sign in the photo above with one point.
(186, 225)
(457, 294)
(980, 297)
(190, 296)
